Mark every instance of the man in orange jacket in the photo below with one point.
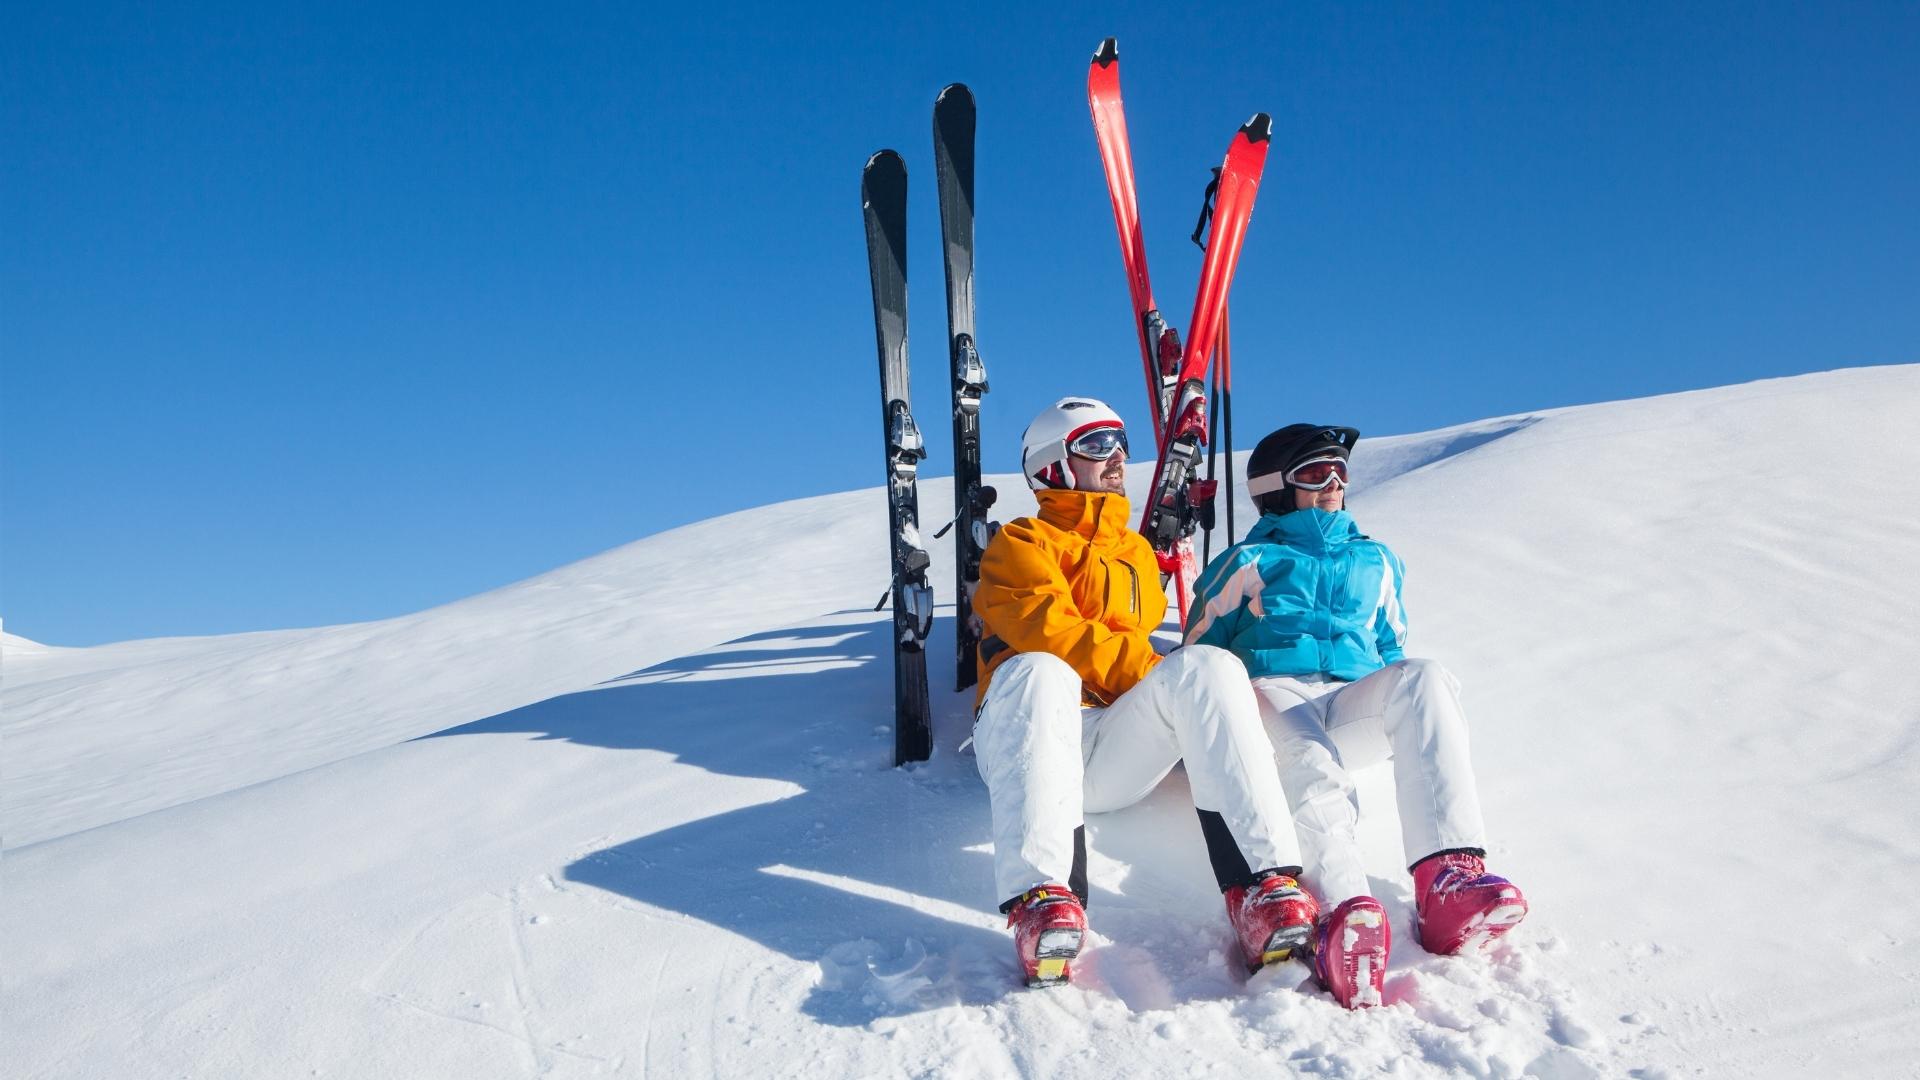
(1078, 713)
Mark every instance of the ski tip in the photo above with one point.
(885, 173)
(957, 92)
(1107, 53)
(1258, 129)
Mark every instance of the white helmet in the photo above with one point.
(1043, 447)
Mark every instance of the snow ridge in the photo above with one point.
(634, 816)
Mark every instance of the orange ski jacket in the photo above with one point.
(1078, 582)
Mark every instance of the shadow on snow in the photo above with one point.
(840, 874)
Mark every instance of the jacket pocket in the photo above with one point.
(1120, 592)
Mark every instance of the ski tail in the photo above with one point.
(1116, 157)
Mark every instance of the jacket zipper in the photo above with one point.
(1135, 575)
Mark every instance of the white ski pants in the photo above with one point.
(1323, 729)
(1048, 762)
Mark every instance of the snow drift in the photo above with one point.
(635, 815)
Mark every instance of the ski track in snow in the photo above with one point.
(614, 821)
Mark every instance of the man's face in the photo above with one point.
(1109, 476)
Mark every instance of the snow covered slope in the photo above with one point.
(634, 816)
(98, 735)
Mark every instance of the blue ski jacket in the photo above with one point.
(1305, 593)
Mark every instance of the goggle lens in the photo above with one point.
(1316, 475)
(1099, 444)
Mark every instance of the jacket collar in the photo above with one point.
(1311, 529)
(1088, 513)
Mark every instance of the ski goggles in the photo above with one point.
(1098, 444)
(1317, 474)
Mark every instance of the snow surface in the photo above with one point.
(635, 816)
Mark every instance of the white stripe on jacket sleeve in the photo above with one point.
(1241, 587)
(1388, 602)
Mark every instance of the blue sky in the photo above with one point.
(333, 314)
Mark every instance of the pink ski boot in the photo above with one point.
(1462, 907)
(1350, 952)
(1273, 918)
(1048, 923)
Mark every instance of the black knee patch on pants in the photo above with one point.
(1229, 866)
(1077, 878)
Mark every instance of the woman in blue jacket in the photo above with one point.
(1312, 606)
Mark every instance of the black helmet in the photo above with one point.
(1281, 451)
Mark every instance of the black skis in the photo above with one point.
(953, 123)
(883, 194)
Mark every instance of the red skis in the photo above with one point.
(1176, 380)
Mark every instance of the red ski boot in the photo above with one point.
(1462, 907)
(1350, 952)
(1048, 923)
(1273, 918)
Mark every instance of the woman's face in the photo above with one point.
(1330, 498)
